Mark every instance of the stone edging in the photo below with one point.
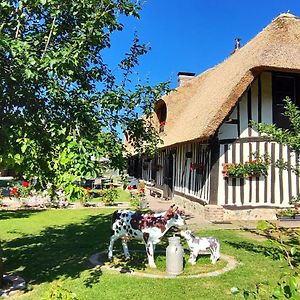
(95, 260)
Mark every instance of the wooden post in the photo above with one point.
(214, 182)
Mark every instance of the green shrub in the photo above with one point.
(57, 292)
(109, 196)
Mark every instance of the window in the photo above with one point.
(284, 85)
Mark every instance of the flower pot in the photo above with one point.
(286, 218)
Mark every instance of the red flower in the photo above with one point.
(253, 161)
(142, 190)
(88, 188)
(129, 187)
(163, 123)
(25, 184)
(15, 192)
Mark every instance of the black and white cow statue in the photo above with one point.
(201, 244)
(149, 227)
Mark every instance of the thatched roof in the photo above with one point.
(196, 110)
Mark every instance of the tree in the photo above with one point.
(62, 108)
(289, 137)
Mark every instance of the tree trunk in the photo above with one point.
(1, 266)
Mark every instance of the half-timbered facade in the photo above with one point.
(205, 125)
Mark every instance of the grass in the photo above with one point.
(138, 261)
(43, 246)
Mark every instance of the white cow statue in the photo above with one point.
(148, 227)
(201, 244)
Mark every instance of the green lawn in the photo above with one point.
(123, 196)
(43, 246)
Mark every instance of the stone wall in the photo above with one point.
(219, 213)
(189, 206)
(250, 214)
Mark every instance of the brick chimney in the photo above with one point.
(184, 77)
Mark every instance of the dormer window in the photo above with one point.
(161, 113)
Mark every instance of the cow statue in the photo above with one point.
(201, 244)
(149, 227)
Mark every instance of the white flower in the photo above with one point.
(234, 290)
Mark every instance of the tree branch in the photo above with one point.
(18, 10)
(49, 37)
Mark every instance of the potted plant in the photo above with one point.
(295, 201)
(285, 214)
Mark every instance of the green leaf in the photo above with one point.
(293, 251)
(278, 292)
(263, 225)
(24, 148)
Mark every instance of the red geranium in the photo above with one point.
(25, 184)
(15, 192)
(88, 188)
(129, 187)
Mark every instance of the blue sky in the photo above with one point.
(194, 35)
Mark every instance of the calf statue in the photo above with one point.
(149, 227)
(201, 244)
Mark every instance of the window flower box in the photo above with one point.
(252, 168)
(162, 126)
(288, 214)
(231, 170)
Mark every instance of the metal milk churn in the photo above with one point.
(174, 256)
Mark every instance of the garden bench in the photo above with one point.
(155, 192)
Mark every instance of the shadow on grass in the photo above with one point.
(18, 214)
(138, 257)
(58, 251)
(63, 251)
(137, 261)
(93, 277)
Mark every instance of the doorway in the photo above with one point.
(168, 177)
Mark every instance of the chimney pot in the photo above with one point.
(184, 77)
(237, 44)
